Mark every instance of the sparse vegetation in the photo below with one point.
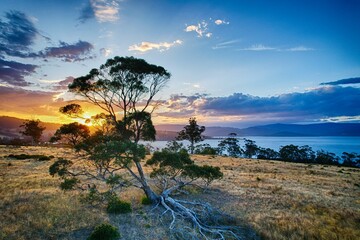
(104, 231)
(288, 203)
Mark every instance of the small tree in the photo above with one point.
(351, 159)
(192, 133)
(230, 146)
(295, 153)
(324, 157)
(73, 133)
(267, 153)
(33, 129)
(251, 148)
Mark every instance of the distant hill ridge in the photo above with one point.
(9, 127)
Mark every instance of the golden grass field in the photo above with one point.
(278, 200)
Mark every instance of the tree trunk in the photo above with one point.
(145, 186)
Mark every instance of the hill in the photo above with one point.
(9, 127)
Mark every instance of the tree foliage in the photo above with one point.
(192, 133)
(294, 153)
(128, 85)
(33, 129)
(251, 148)
(73, 133)
(230, 146)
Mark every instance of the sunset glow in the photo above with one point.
(233, 63)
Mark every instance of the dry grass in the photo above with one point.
(279, 200)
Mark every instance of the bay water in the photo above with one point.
(335, 144)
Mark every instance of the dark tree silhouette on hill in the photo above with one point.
(73, 133)
(192, 133)
(33, 129)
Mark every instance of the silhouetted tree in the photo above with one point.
(294, 153)
(231, 146)
(324, 157)
(192, 133)
(73, 133)
(351, 159)
(251, 148)
(205, 149)
(33, 129)
(267, 153)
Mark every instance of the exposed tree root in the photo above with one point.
(204, 221)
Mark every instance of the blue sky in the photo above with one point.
(234, 63)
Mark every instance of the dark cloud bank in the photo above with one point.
(355, 80)
(18, 34)
(311, 106)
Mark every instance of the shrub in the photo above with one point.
(68, 184)
(115, 205)
(104, 231)
(44, 158)
(145, 201)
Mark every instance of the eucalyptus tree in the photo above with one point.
(33, 129)
(124, 88)
(193, 133)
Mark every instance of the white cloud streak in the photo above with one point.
(257, 47)
(148, 46)
(300, 49)
(262, 47)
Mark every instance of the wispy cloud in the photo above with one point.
(355, 80)
(105, 52)
(200, 28)
(148, 46)
(14, 73)
(63, 84)
(299, 49)
(18, 33)
(102, 10)
(257, 47)
(226, 44)
(262, 47)
(220, 22)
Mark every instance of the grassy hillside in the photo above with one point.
(278, 200)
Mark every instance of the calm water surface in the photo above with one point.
(336, 145)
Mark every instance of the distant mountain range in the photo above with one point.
(9, 127)
(280, 130)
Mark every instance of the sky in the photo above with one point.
(233, 62)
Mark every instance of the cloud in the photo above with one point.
(26, 101)
(105, 52)
(102, 10)
(17, 34)
(148, 46)
(343, 81)
(63, 85)
(14, 73)
(221, 22)
(261, 47)
(311, 106)
(300, 49)
(201, 29)
(226, 44)
(257, 47)
(69, 52)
